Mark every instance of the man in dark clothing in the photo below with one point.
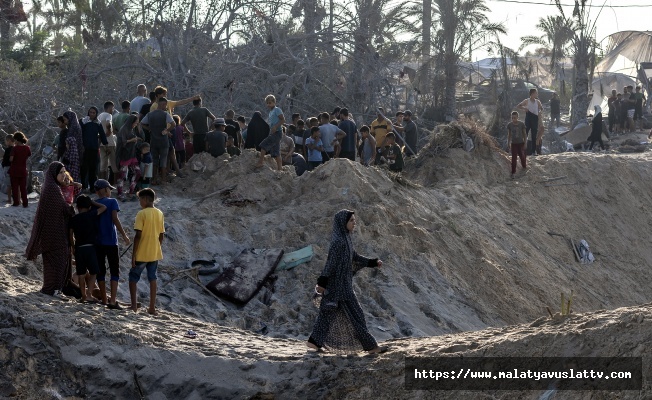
(160, 125)
(144, 110)
(350, 141)
(198, 118)
(410, 134)
(63, 134)
(216, 139)
(611, 103)
(233, 128)
(92, 134)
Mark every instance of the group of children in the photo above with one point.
(94, 236)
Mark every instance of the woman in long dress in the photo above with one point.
(257, 131)
(341, 325)
(50, 232)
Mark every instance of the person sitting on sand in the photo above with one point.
(230, 147)
(393, 153)
(147, 252)
(216, 139)
(83, 235)
(341, 325)
(272, 143)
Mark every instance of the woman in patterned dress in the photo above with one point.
(341, 325)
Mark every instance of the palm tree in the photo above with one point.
(583, 45)
(463, 27)
(557, 35)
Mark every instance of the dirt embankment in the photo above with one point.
(465, 248)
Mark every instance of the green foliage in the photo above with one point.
(31, 54)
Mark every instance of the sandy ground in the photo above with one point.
(468, 265)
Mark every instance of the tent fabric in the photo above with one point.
(625, 51)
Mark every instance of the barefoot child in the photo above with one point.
(516, 139)
(272, 143)
(107, 242)
(83, 234)
(147, 247)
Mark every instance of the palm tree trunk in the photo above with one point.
(580, 100)
(426, 27)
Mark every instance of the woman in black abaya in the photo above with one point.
(341, 325)
(257, 131)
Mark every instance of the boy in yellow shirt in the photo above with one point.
(147, 251)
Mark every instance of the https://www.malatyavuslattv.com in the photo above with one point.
(523, 373)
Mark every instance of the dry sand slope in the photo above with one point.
(465, 248)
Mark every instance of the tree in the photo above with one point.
(583, 45)
(557, 35)
(463, 27)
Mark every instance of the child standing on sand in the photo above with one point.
(315, 146)
(516, 139)
(83, 233)
(147, 251)
(107, 242)
(18, 170)
(146, 168)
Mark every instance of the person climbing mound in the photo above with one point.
(341, 325)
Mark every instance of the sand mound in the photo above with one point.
(464, 246)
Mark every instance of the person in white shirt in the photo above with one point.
(533, 108)
(139, 101)
(107, 151)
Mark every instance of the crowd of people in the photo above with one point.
(135, 148)
(626, 110)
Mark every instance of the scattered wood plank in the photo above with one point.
(577, 255)
(555, 234)
(181, 273)
(219, 192)
(560, 184)
(554, 179)
(203, 287)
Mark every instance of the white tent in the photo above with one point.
(620, 66)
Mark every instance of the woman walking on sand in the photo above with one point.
(341, 324)
(50, 232)
(596, 129)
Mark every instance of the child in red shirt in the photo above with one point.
(18, 170)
